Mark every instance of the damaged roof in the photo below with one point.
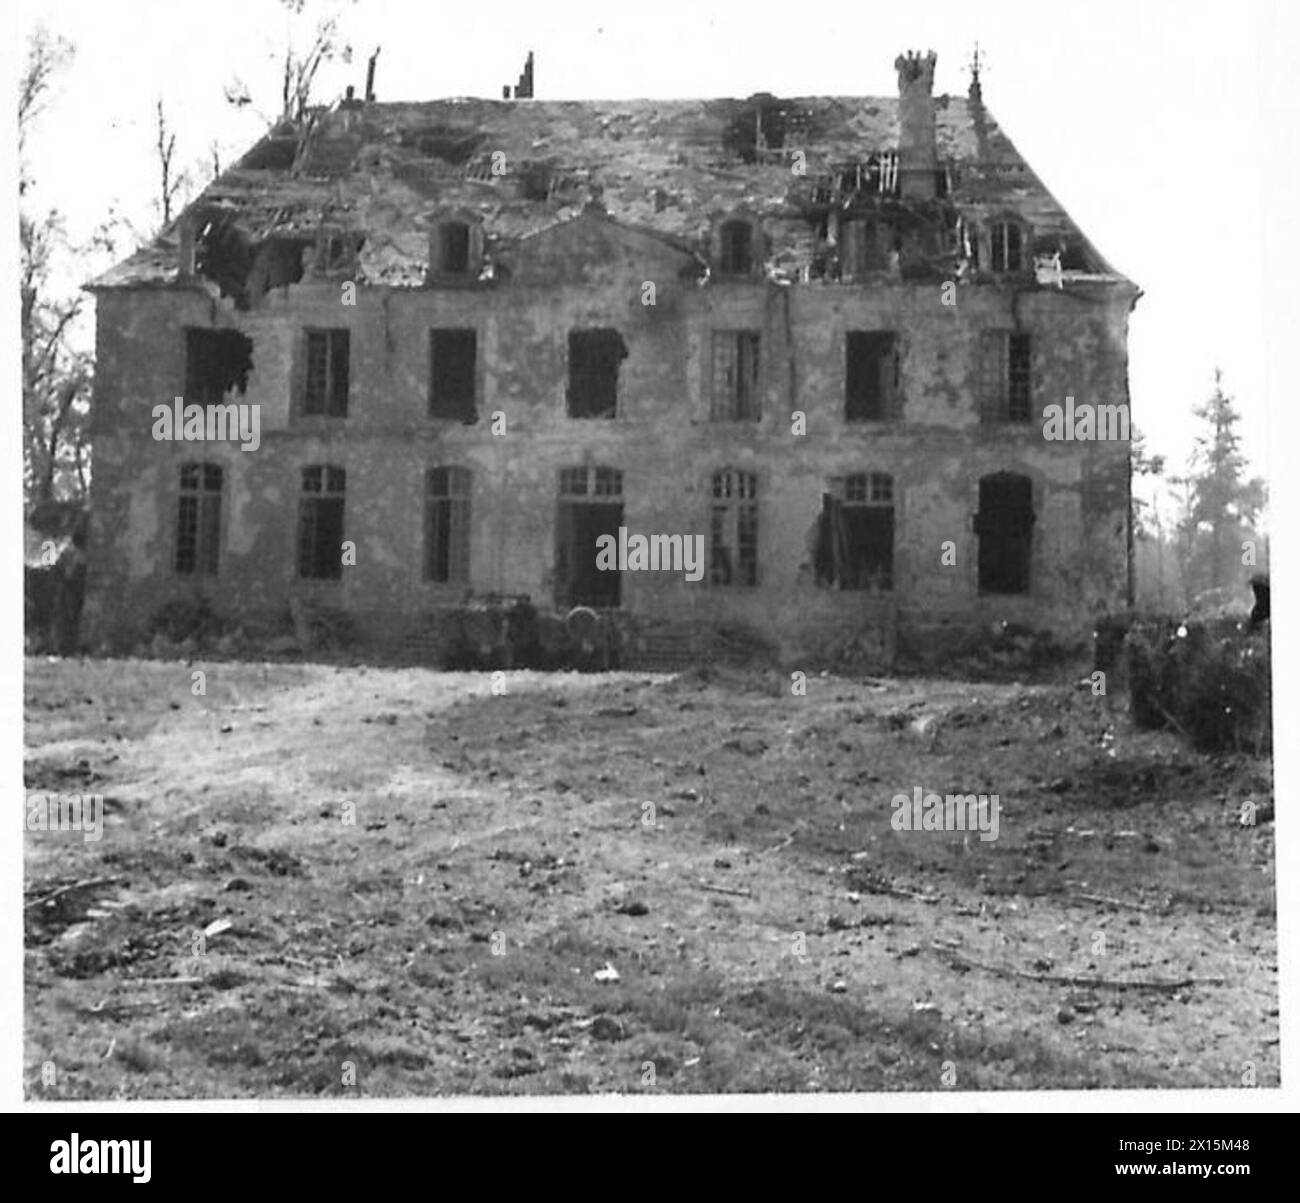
(667, 166)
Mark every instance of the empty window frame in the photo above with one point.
(446, 524)
(320, 523)
(1006, 376)
(453, 374)
(325, 381)
(216, 361)
(871, 376)
(1007, 246)
(198, 520)
(733, 529)
(594, 359)
(736, 248)
(735, 396)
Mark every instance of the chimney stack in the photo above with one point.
(370, 77)
(918, 149)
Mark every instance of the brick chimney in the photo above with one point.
(918, 152)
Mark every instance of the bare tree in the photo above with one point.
(171, 181)
(299, 68)
(55, 375)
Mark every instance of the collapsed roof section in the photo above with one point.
(367, 176)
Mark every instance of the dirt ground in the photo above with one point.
(414, 886)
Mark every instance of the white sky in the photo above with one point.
(1145, 119)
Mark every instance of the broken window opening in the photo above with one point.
(224, 255)
(733, 529)
(594, 359)
(277, 264)
(735, 376)
(855, 535)
(737, 248)
(446, 530)
(320, 523)
(338, 252)
(760, 127)
(1006, 240)
(325, 390)
(216, 361)
(871, 376)
(198, 520)
(1004, 525)
(590, 505)
(453, 375)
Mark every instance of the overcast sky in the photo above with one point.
(1146, 119)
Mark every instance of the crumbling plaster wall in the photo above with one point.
(593, 274)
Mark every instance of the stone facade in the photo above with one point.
(773, 256)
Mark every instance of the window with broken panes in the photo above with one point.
(733, 529)
(325, 385)
(447, 517)
(453, 374)
(871, 376)
(198, 520)
(320, 522)
(735, 395)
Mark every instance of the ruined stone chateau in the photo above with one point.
(477, 335)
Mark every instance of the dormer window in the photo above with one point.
(337, 251)
(1007, 246)
(737, 248)
(455, 248)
